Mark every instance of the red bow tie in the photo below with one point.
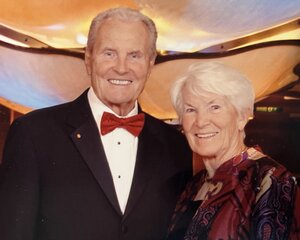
(133, 124)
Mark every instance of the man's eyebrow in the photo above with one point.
(108, 49)
(135, 51)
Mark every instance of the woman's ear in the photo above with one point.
(243, 119)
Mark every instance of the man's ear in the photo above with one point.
(88, 61)
(152, 62)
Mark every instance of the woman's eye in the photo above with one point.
(188, 110)
(215, 107)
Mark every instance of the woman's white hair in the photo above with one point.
(217, 78)
(124, 14)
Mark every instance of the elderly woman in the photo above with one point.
(241, 193)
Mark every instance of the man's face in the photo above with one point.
(120, 63)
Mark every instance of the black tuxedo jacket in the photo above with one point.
(55, 182)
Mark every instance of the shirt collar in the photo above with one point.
(98, 107)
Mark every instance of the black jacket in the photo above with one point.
(55, 181)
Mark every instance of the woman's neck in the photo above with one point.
(213, 163)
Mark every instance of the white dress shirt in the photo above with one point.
(120, 148)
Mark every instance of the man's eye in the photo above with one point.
(135, 55)
(108, 53)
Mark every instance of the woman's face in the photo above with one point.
(212, 125)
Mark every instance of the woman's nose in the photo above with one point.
(202, 119)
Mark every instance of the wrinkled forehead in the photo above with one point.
(197, 90)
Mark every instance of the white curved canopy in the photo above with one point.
(38, 74)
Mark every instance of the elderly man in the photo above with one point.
(97, 167)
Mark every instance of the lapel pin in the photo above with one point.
(78, 135)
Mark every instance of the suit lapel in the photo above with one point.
(146, 163)
(86, 138)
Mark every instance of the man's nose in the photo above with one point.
(121, 65)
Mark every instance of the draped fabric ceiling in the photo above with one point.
(42, 45)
